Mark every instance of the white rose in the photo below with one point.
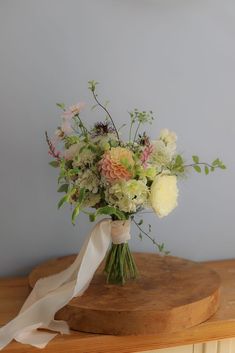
(164, 194)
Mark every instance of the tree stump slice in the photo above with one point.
(171, 294)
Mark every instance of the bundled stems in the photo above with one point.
(120, 265)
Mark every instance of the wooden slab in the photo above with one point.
(170, 294)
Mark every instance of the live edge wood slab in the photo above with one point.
(13, 292)
(170, 294)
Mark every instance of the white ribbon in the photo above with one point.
(52, 293)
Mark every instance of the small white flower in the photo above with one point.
(168, 137)
(128, 195)
(88, 180)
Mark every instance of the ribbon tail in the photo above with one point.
(54, 292)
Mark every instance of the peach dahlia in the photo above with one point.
(117, 164)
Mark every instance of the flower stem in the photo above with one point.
(200, 163)
(136, 132)
(120, 265)
(109, 115)
(159, 246)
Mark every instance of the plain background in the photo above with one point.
(175, 57)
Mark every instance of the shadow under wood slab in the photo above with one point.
(171, 294)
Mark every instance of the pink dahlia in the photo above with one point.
(117, 164)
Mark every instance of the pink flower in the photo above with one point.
(73, 110)
(66, 126)
(67, 116)
(148, 150)
(52, 149)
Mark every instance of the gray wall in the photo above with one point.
(175, 57)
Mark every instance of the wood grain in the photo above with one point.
(169, 295)
(13, 292)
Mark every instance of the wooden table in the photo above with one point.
(212, 336)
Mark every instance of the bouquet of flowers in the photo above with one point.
(101, 174)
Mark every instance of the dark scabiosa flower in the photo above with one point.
(102, 128)
(143, 140)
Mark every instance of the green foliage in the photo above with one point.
(63, 200)
(92, 85)
(54, 164)
(77, 208)
(141, 117)
(66, 198)
(140, 222)
(217, 163)
(70, 140)
(177, 167)
(197, 168)
(75, 213)
(107, 210)
(206, 169)
(61, 105)
(195, 159)
(160, 246)
(63, 188)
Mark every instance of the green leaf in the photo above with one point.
(161, 247)
(75, 212)
(81, 195)
(195, 159)
(92, 217)
(216, 162)
(206, 170)
(54, 164)
(179, 160)
(61, 105)
(64, 199)
(63, 188)
(223, 166)
(181, 169)
(107, 210)
(197, 168)
(92, 85)
(212, 169)
(140, 222)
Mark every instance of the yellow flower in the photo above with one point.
(164, 194)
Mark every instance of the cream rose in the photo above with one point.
(164, 194)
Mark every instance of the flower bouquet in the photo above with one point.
(102, 174)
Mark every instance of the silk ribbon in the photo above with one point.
(52, 293)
